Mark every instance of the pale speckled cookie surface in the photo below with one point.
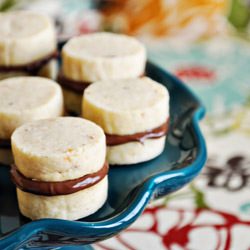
(59, 149)
(102, 45)
(25, 37)
(18, 24)
(103, 56)
(126, 106)
(25, 93)
(23, 99)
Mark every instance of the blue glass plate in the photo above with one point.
(130, 187)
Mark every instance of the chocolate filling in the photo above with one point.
(31, 68)
(155, 133)
(76, 86)
(57, 187)
(5, 143)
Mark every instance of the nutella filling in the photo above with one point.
(75, 86)
(58, 187)
(155, 133)
(31, 68)
(5, 143)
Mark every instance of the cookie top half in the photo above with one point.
(25, 37)
(126, 106)
(103, 56)
(58, 149)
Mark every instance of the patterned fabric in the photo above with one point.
(190, 20)
(214, 211)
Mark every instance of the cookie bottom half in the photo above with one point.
(70, 207)
(135, 152)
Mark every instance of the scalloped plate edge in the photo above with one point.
(79, 229)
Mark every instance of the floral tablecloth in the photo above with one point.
(214, 211)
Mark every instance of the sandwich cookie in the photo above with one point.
(134, 114)
(24, 99)
(27, 45)
(99, 56)
(60, 169)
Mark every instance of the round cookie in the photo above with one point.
(57, 151)
(133, 109)
(27, 38)
(98, 56)
(101, 56)
(24, 99)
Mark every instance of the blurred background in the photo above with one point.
(206, 43)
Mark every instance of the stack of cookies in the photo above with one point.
(60, 164)
(94, 57)
(134, 115)
(25, 99)
(60, 169)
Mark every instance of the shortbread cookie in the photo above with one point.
(99, 56)
(24, 99)
(134, 115)
(27, 44)
(60, 169)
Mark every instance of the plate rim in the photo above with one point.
(116, 224)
